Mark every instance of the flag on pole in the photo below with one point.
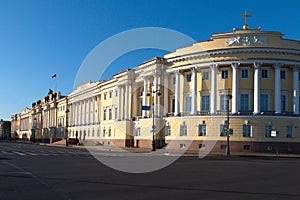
(53, 75)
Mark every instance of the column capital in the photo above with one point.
(257, 65)
(145, 78)
(194, 69)
(214, 66)
(296, 68)
(157, 72)
(177, 71)
(278, 65)
(235, 65)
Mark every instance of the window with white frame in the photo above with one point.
(268, 129)
(265, 73)
(110, 94)
(246, 130)
(264, 102)
(202, 130)
(104, 96)
(168, 130)
(245, 73)
(282, 74)
(224, 74)
(188, 104)
(223, 129)
(183, 130)
(283, 103)
(188, 77)
(104, 114)
(110, 114)
(173, 80)
(290, 131)
(223, 102)
(109, 132)
(244, 101)
(205, 103)
(205, 75)
(104, 132)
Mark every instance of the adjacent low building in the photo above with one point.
(250, 74)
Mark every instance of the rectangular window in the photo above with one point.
(116, 113)
(173, 105)
(188, 104)
(104, 96)
(244, 102)
(223, 128)
(104, 114)
(283, 103)
(103, 132)
(110, 95)
(282, 74)
(205, 75)
(98, 133)
(201, 146)
(224, 74)
(183, 130)
(223, 146)
(205, 103)
(188, 77)
(290, 131)
(264, 102)
(246, 130)
(202, 130)
(182, 146)
(168, 131)
(268, 129)
(245, 73)
(116, 93)
(109, 132)
(223, 102)
(173, 80)
(110, 114)
(265, 73)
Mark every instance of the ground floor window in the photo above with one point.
(183, 130)
(168, 130)
(201, 130)
(289, 131)
(182, 146)
(268, 129)
(246, 130)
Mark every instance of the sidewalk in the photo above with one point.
(112, 148)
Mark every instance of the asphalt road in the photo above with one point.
(29, 171)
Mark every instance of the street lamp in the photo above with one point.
(229, 96)
(155, 92)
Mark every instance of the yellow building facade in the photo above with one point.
(186, 96)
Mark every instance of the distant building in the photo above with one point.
(258, 68)
(4, 129)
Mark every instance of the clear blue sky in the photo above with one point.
(42, 37)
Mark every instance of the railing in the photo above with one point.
(220, 112)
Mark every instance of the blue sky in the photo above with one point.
(42, 37)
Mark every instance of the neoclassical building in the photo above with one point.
(183, 98)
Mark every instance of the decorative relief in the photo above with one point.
(245, 41)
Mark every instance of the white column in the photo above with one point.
(257, 77)
(277, 100)
(119, 102)
(166, 94)
(145, 95)
(235, 90)
(177, 93)
(213, 90)
(296, 90)
(89, 111)
(80, 113)
(134, 96)
(126, 104)
(155, 84)
(194, 91)
(93, 110)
